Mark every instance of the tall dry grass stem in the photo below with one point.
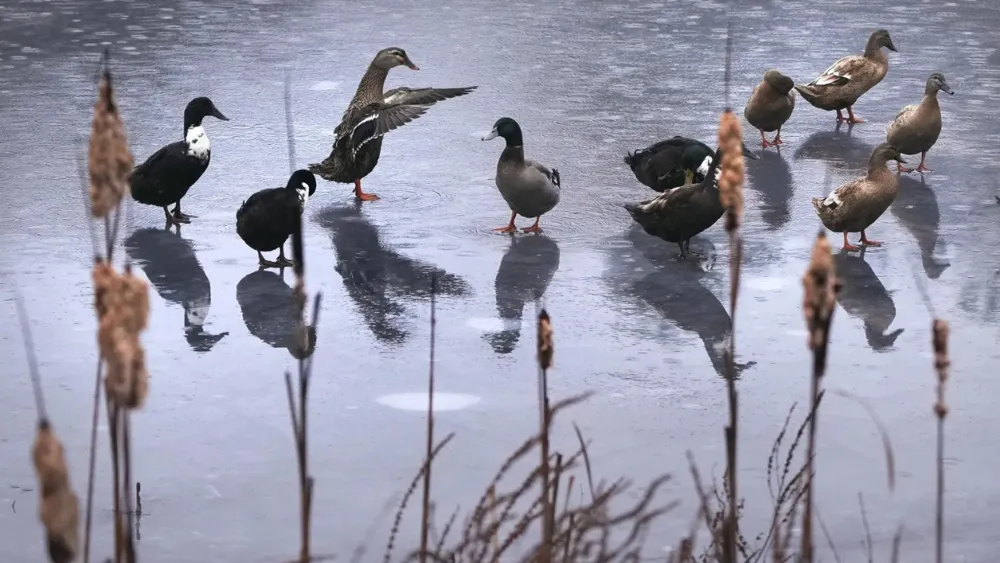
(545, 352)
(942, 364)
(820, 298)
(425, 518)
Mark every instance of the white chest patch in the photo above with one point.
(303, 194)
(198, 143)
(703, 168)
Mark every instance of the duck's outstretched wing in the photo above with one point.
(423, 96)
(379, 120)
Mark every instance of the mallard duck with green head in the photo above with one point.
(856, 205)
(916, 127)
(840, 86)
(530, 189)
(770, 105)
(673, 162)
(371, 114)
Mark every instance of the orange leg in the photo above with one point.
(849, 246)
(510, 228)
(763, 140)
(923, 167)
(840, 117)
(866, 242)
(777, 138)
(853, 119)
(362, 195)
(534, 228)
(900, 168)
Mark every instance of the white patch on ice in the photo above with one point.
(484, 324)
(418, 401)
(325, 85)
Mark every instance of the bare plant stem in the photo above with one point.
(941, 365)
(93, 461)
(425, 523)
(545, 553)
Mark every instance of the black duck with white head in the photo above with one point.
(681, 213)
(169, 173)
(673, 162)
(267, 218)
(371, 114)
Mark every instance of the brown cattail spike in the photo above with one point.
(821, 287)
(942, 364)
(545, 342)
(110, 158)
(731, 178)
(122, 303)
(59, 509)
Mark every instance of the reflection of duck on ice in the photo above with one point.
(269, 313)
(173, 269)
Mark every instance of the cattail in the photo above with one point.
(59, 510)
(731, 179)
(545, 343)
(941, 364)
(122, 303)
(821, 287)
(110, 158)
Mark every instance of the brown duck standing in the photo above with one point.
(840, 86)
(371, 114)
(854, 206)
(917, 127)
(770, 105)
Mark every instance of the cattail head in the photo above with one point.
(545, 342)
(122, 303)
(731, 178)
(59, 509)
(110, 158)
(941, 363)
(821, 287)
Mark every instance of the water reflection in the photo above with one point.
(772, 178)
(269, 312)
(674, 290)
(377, 277)
(864, 297)
(525, 272)
(171, 265)
(916, 207)
(839, 148)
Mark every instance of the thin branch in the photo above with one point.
(93, 460)
(425, 513)
(29, 350)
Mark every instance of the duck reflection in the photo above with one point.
(269, 312)
(916, 207)
(838, 148)
(172, 267)
(525, 272)
(772, 178)
(675, 291)
(375, 276)
(864, 297)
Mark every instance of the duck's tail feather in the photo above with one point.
(555, 178)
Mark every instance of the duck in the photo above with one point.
(682, 213)
(840, 86)
(854, 206)
(268, 217)
(371, 114)
(916, 127)
(673, 162)
(167, 175)
(770, 105)
(530, 189)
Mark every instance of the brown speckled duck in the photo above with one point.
(854, 206)
(770, 105)
(371, 114)
(916, 127)
(840, 86)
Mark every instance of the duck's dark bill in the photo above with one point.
(218, 114)
(412, 66)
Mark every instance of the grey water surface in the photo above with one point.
(588, 80)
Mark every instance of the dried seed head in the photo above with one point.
(104, 277)
(731, 179)
(122, 303)
(110, 158)
(545, 342)
(821, 287)
(59, 510)
(135, 302)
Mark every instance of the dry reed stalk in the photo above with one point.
(425, 517)
(820, 299)
(110, 158)
(545, 353)
(942, 364)
(731, 196)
